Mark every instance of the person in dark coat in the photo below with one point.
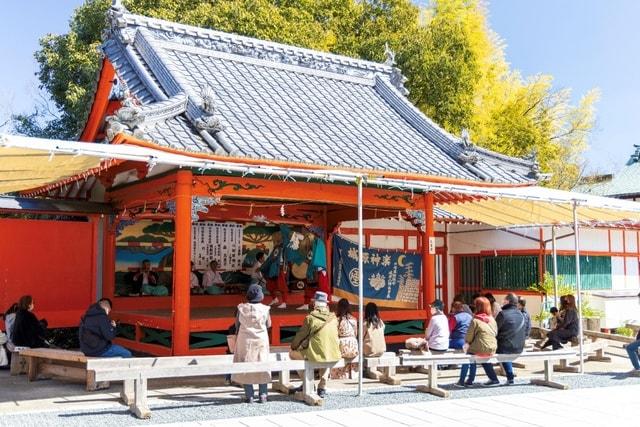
(511, 332)
(522, 306)
(144, 277)
(97, 330)
(28, 331)
(568, 326)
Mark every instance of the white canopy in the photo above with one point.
(27, 163)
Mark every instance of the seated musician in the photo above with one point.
(254, 270)
(146, 281)
(212, 280)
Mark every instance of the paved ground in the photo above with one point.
(54, 402)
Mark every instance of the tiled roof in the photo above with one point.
(252, 98)
(624, 183)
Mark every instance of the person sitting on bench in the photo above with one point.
(568, 327)
(512, 330)
(459, 321)
(317, 339)
(97, 330)
(373, 340)
(9, 320)
(28, 331)
(437, 333)
(632, 351)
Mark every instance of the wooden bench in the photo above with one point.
(382, 368)
(18, 363)
(48, 362)
(433, 361)
(135, 372)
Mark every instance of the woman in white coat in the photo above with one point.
(252, 342)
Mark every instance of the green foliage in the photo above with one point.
(547, 288)
(455, 65)
(624, 331)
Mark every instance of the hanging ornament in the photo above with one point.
(282, 211)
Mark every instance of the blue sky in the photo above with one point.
(582, 43)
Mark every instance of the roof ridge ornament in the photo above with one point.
(534, 169)
(469, 154)
(396, 77)
(390, 55)
(127, 119)
(209, 121)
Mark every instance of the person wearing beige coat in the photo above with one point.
(252, 342)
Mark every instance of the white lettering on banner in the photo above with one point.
(432, 245)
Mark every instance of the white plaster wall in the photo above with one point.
(618, 309)
(617, 273)
(616, 241)
(463, 239)
(386, 242)
(632, 281)
(631, 241)
(383, 223)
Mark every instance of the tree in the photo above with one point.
(454, 63)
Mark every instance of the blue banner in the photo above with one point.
(391, 278)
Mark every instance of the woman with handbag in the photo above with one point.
(347, 338)
(252, 342)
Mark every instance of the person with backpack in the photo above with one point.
(97, 330)
(317, 339)
(512, 329)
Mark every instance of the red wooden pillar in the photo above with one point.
(428, 257)
(109, 258)
(182, 264)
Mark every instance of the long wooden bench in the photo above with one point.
(433, 361)
(136, 372)
(48, 362)
(592, 348)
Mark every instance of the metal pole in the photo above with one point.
(576, 235)
(555, 265)
(360, 290)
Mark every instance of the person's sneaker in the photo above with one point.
(491, 383)
(460, 384)
(248, 400)
(468, 384)
(303, 307)
(283, 305)
(510, 381)
(322, 393)
(274, 301)
(263, 398)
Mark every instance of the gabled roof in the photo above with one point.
(202, 90)
(625, 183)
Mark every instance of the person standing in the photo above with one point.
(28, 331)
(96, 332)
(459, 321)
(437, 333)
(480, 341)
(511, 334)
(252, 342)
(317, 339)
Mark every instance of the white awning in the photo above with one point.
(26, 163)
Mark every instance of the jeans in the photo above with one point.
(508, 370)
(488, 369)
(456, 343)
(632, 350)
(471, 369)
(248, 390)
(116, 350)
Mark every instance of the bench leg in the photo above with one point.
(127, 393)
(389, 376)
(140, 408)
(308, 394)
(18, 364)
(599, 356)
(548, 378)
(373, 374)
(283, 385)
(433, 384)
(32, 368)
(564, 367)
(93, 385)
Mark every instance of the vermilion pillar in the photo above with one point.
(182, 263)
(428, 256)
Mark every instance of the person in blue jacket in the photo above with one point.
(97, 331)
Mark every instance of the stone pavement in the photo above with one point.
(582, 407)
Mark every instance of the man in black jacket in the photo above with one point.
(97, 330)
(511, 332)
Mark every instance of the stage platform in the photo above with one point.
(148, 330)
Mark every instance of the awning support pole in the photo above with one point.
(576, 236)
(555, 265)
(360, 289)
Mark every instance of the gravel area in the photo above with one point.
(195, 407)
